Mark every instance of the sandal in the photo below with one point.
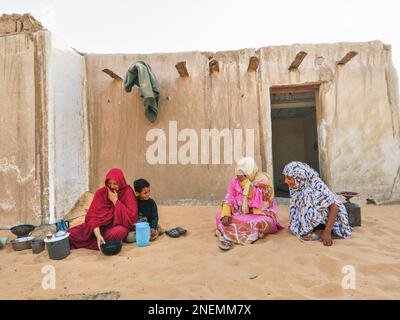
(218, 233)
(224, 244)
(181, 230)
(173, 233)
(311, 237)
(176, 232)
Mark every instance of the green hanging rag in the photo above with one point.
(141, 75)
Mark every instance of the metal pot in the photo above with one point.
(37, 246)
(22, 243)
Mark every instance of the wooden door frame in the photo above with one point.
(300, 88)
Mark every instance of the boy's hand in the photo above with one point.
(153, 232)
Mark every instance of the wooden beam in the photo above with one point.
(297, 60)
(253, 64)
(79, 52)
(350, 55)
(296, 85)
(112, 74)
(295, 88)
(182, 70)
(290, 105)
(214, 66)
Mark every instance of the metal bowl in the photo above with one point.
(22, 243)
(348, 195)
(111, 248)
(22, 230)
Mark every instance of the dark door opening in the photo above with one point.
(294, 130)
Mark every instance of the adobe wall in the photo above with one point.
(67, 129)
(358, 126)
(358, 116)
(23, 152)
(43, 128)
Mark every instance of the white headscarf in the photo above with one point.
(247, 166)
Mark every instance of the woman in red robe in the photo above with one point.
(112, 214)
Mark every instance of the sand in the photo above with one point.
(193, 267)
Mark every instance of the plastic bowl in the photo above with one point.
(111, 248)
(22, 230)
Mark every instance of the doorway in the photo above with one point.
(294, 130)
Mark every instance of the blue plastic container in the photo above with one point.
(142, 234)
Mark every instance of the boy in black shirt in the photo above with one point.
(147, 208)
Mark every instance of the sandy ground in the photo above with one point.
(192, 267)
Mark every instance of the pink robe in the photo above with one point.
(248, 227)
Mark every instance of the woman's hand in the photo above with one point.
(99, 237)
(326, 238)
(153, 232)
(100, 241)
(226, 221)
(113, 196)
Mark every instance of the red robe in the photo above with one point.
(114, 221)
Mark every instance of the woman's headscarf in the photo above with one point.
(117, 175)
(309, 198)
(302, 173)
(247, 166)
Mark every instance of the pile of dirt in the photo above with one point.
(17, 23)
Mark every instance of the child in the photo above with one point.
(147, 208)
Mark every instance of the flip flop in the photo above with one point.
(173, 233)
(181, 230)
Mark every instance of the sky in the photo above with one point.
(149, 26)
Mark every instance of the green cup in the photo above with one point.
(3, 241)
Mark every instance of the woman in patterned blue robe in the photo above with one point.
(313, 206)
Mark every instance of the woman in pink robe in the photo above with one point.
(249, 210)
(112, 214)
